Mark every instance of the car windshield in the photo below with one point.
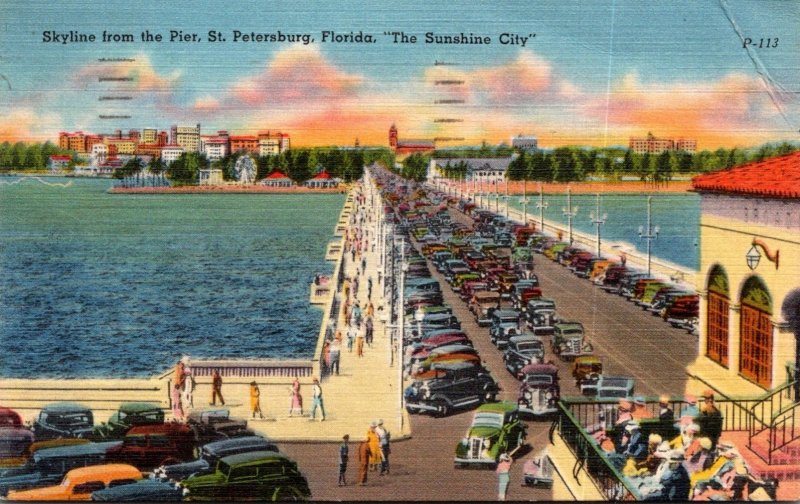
(13, 447)
(223, 467)
(613, 392)
(71, 420)
(8, 420)
(487, 420)
(570, 332)
(539, 379)
(529, 346)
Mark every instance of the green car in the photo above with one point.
(495, 430)
(256, 475)
(129, 415)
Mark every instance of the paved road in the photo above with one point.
(629, 340)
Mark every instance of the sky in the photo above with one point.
(592, 72)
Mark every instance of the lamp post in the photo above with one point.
(541, 206)
(496, 196)
(569, 213)
(505, 198)
(524, 202)
(598, 221)
(650, 234)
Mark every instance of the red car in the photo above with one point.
(150, 446)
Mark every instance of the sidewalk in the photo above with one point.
(366, 389)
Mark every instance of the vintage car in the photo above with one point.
(587, 370)
(569, 341)
(521, 351)
(144, 490)
(471, 287)
(437, 341)
(430, 321)
(256, 475)
(149, 446)
(78, 484)
(14, 445)
(539, 391)
(495, 429)
(48, 466)
(129, 415)
(423, 284)
(212, 424)
(505, 283)
(469, 356)
(538, 471)
(456, 385)
(500, 333)
(519, 287)
(430, 309)
(482, 305)
(614, 387)
(9, 418)
(209, 455)
(63, 420)
(424, 357)
(540, 316)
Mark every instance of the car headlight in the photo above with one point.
(548, 396)
(464, 441)
(527, 395)
(487, 443)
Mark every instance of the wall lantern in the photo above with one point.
(753, 256)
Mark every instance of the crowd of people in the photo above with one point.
(693, 464)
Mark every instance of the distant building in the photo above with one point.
(403, 148)
(211, 176)
(187, 137)
(123, 145)
(170, 153)
(149, 135)
(480, 170)
(526, 143)
(652, 145)
(272, 143)
(322, 180)
(244, 143)
(58, 163)
(214, 147)
(277, 179)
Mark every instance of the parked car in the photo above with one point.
(587, 370)
(569, 340)
(49, 465)
(539, 391)
(129, 415)
(519, 287)
(540, 316)
(78, 484)
(63, 420)
(499, 334)
(614, 387)
(425, 357)
(521, 351)
(495, 429)
(149, 446)
(457, 385)
(144, 490)
(211, 453)
(212, 424)
(14, 445)
(257, 475)
(9, 418)
(482, 305)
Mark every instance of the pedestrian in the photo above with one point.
(364, 262)
(335, 351)
(326, 356)
(665, 413)
(351, 337)
(360, 344)
(503, 467)
(640, 409)
(363, 462)
(296, 403)
(316, 401)
(344, 454)
(216, 388)
(355, 286)
(710, 418)
(346, 288)
(369, 329)
(383, 439)
(177, 409)
(374, 446)
(369, 289)
(255, 400)
(370, 310)
(357, 314)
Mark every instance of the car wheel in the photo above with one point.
(442, 408)
(284, 494)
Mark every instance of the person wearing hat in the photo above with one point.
(640, 411)
(255, 400)
(383, 440)
(699, 456)
(632, 445)
(344, 454)
(686, 436)
(503, 467)
(374, 446)
(665, 413)
(363, 462)
(652, 461)
(710, 418)
(675, 484)
(316, 401)
(725, 452)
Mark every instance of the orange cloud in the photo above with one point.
(23, 124)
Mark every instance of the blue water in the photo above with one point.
(94, 284)
(676, 214)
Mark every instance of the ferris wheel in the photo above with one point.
(245, 170)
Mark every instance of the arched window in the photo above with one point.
(755, 329)
(717, 316)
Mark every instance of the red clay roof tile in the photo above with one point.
(772, 178)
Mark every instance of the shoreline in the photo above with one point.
(231, 189)
(604, 187)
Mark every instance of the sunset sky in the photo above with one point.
(596, 72)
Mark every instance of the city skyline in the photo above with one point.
(593, 74)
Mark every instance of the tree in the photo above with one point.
(415, 167)
(663, 168)
(627, 162)
(518, 168)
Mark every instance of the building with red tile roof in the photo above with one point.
(777, 177)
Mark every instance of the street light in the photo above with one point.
(505, 198)
(541, 206)
(524, 202)
(569, 213)
(651, 233)
(598, 221)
